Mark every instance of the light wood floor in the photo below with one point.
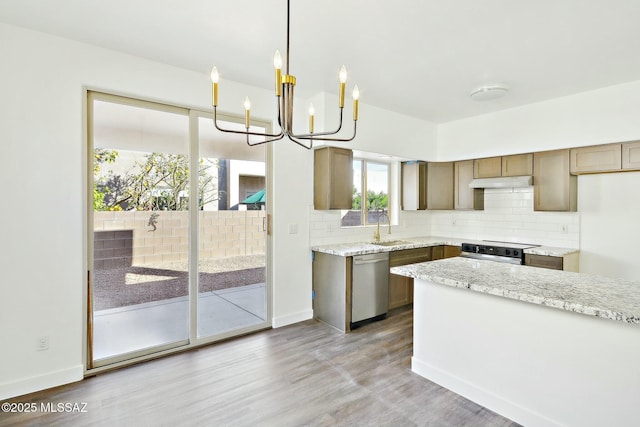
(305, 374)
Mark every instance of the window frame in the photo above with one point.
(364, 186)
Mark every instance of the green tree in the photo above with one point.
(101, 156)
(375, 201)
(158, 182)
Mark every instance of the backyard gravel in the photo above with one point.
(140, 284)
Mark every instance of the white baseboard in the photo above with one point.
(489, 400)
(41, 382)
(278, 322)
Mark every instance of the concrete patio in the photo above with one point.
(131, 328)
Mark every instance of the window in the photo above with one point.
(372, 180)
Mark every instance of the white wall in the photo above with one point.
(596, 117)
(43, 155)
(607, 204)
(609, 208)
(43, 150)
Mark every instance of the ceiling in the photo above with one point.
(419, 58)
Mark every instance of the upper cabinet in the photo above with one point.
(554, 188)
(332, 178)
(414, 186)
(517, 165)
(465, 197)
(490, 167)
(631, 155)
(495, 167)
(427, 185)
(599, 158)
(440, 185)
(619, 157)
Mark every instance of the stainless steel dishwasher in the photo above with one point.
(370, 288)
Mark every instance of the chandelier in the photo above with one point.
(284, 100)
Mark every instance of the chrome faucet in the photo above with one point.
(376, 235)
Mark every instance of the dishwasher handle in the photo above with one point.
(372, 261)
(359, 260)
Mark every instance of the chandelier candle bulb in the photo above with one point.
(215, 77)
(312, 112)
(277, 64)
(342, 75)
(356, 96)
(247, 108)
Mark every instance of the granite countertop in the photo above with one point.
(363, 248)
(550, 251)
(578, 292)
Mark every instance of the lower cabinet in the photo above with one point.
(567, 263)
(401, 287)
(400, 291)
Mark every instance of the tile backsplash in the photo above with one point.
(508, 215)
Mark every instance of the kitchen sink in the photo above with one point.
(392, 243)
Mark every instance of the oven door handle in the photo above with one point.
(496, 258)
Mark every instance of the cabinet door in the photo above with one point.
(451, 251)
(437, 252)
(332, 178)
(554, 188)
(631, 155)
(491, 167)
(599, 158)
(440, 185)
(465, 197)
(517, 165)
(400, 290)
(414, 186)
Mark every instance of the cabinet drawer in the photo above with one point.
(552, 262)
(409, 256)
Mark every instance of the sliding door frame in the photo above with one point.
(89, 96)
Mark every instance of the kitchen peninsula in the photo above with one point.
(542, 347)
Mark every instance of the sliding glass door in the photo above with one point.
(232, 291)
(176, 252)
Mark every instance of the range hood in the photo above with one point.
(503, 182)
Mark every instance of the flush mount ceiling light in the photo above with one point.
(489, 92)
(284, 96)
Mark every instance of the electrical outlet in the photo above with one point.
(293, 228)
(42, 343)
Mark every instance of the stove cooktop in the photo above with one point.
(497, 249)
(509, 245)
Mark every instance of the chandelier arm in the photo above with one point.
(300, 143)
(315, 137)
(265, 141)
(240, 132)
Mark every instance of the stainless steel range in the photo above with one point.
(512, 253)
